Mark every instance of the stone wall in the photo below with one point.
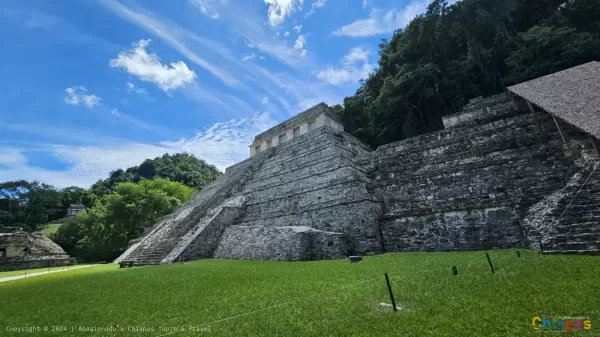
(457, 230)
(292, 243)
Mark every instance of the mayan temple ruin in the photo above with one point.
(20, 250)
(516, 170)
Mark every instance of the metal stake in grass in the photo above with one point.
(387, 280)
(518, 253)
(490, 262)
(454, 270)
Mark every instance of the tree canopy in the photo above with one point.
(181, 167)
(27, 204)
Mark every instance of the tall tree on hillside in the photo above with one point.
(102, 232)
(29, 203)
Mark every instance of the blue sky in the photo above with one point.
(87, 87)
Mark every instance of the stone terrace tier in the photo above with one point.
(470, 185)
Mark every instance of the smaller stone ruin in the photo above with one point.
(73, 210)
(20, 250)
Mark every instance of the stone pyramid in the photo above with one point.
(495, 177)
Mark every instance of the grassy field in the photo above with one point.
(321, 298)
(50, 229)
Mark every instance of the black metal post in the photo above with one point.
(454, 270)
(518, 253)
(387, 280)
(490, 262)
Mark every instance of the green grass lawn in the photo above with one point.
(321, 298)
(50, 229)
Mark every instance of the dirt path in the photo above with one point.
(28, 275)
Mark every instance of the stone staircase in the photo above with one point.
(568, 220)
(169, 238)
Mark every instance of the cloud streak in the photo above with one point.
(355, 66)
(380, 22)
(222, 144)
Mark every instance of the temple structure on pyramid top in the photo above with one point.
(317, 116)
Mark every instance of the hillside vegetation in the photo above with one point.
(181, 167)
(118, 207)
(472, 48)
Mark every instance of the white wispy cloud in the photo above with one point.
(148, 67)
(135, 89)
(286, 34)
(78, 95)
(298, 28)
(380, 22)
(300, 45)
(222, 144)
(355, 66)
(134, 121)
(206, 8)
(265, 100)
(279, 10)
(300, 42)
(315, 5)
(249, 57)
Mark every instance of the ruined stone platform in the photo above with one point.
(20, 250)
